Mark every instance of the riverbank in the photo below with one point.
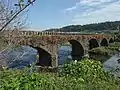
(104, 53)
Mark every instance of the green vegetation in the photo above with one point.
(83, 75)
(108, 51)
(104, 53)
(117, 34)
(106, 27)
(101, 51)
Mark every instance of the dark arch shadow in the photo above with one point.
(93, 43)
(45, 58)
(111, 40)
(77, 50)
(104, 42)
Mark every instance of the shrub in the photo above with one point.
(85, 69)
(83, 75)
(92, 73)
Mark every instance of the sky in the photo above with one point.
(45, 14)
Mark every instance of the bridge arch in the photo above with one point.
(93, 43)
(77, 50)
(104, 42)
(45, 58)
(111, 40)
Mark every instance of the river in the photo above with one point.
(25, 55)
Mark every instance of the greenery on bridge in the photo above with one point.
(83, 75)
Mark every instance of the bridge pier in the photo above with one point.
(55, 60)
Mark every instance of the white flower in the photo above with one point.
(75, 61)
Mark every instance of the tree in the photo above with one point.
(12, 19)
(9, 13)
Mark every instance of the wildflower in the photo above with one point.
(75, 61)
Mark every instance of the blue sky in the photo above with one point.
(46, 14)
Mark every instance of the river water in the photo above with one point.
(25, 55)
(113, 64)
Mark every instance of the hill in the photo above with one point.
(95, 27)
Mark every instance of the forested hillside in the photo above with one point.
(96, 27)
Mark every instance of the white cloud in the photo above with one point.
(93, 1)
(108, 13)
(71, 8)
(86, 3)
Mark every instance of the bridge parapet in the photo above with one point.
(36, 33)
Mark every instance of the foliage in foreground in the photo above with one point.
(83, 75)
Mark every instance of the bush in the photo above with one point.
(83, 75)
(20, 80)
(92, 73)
(86, 69)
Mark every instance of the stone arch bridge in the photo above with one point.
(47, 43)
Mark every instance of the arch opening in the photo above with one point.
(21, 56)
(44, 58)
(64, 53)
(77, 50)
(93, 43)
(111, 40)
(104, 42)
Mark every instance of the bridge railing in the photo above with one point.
(35, 33)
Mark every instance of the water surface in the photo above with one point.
(25, 55)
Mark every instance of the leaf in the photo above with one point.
(26, 86)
